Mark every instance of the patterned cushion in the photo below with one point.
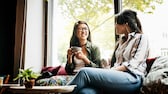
(55, 80)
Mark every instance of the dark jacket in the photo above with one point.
(93, 56)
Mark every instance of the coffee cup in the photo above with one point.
(75, 48)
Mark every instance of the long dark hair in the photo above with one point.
(129, 17)
(74, 39)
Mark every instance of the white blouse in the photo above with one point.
(78, 64)
(133, 53)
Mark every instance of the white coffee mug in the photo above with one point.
(75, 48)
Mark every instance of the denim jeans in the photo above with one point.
(96, 80)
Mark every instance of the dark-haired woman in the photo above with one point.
(129, 67)
(82, 52)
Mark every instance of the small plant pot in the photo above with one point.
(30, 83)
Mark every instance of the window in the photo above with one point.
(100, 17)
(154, 25)
(98, 14)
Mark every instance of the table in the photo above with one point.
(41, 89)
(3, 87)
(9, 85)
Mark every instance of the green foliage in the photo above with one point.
(91, 9)
(147, 6)
(87, 10)
(26, 74)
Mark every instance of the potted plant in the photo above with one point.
(27, 76)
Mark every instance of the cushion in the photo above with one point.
(55, 80)
(50, 69)
(62, 71)
(158, 71)
(160, 63)
(149, 63)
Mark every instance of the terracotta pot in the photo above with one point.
(30, 83)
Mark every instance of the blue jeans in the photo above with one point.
(95, 80)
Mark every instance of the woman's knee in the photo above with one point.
(85, 70)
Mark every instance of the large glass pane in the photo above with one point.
(99, 14)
